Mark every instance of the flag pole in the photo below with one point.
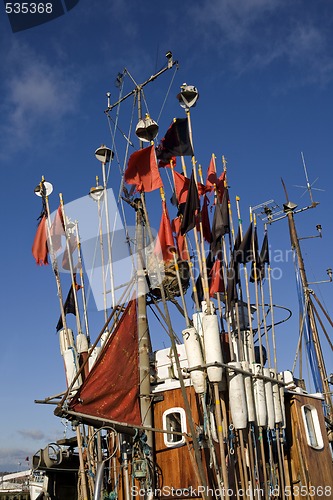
(54, 263)
(229, 310)
(219, 305)
(82, 469)
(105, 155)
(63, 316)
(175, 261)
(71, 267)
(82, 281)
(195, 293)
(201, 248)
(188, 412)
(253, 221)
(269, 271)
(249, 352)
(96, 194)
(262, 449)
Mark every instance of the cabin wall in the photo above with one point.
(310, 470)
(178, 467)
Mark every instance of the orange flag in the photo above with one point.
(216, 283)
(212, 179)
(165, 243)
(182, 184)
(180, 240)
(39, 246)
(142, 170)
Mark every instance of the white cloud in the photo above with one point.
(32, 434)
(35, 93)
(11, 459)
(259, 33)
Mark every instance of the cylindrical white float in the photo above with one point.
(194, 358)
(251, 412)
(213, 348)
(81, 343)
(269, 399)
(197, 323)
(283, 409)
(259, 397)
(237, 397)
(72, 367)
(66, 340)
(276, 398)
(93, 356)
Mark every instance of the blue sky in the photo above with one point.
(264, 70)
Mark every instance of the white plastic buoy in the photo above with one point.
(66, 340)
(237, 397)
(213, 348)
(81, 343)
(259, 397)
(283, 409)
(194, 358)
(276, 398)
(197, 323)
(251, 412)
(93, 356)
(72, 367)
(269, 399)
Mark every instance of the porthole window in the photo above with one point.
(174, 420)
(312, 427)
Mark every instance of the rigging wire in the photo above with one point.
(167, 94)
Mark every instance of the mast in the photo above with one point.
(146, 131)
(294, 239)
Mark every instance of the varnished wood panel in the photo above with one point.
(176, 464)
(309, 467)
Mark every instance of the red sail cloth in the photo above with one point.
(39, 246)
(111, 390)
(142, 170)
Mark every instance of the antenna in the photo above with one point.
(308, 186)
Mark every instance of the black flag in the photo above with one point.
(221, 224)
(244, 253)
(263, 258)
(256, 265)
(192, 206)
(176, 142)
(198, 283)
(69, 308)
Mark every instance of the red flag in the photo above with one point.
(213, 179)
(216, 282)
(180, 240)
(111, 390)
(39, 246)
(205, 220)
(211, 174)
(72, 243)
(142, 170)
(181, 187)
(57, 230)
(165, 243)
